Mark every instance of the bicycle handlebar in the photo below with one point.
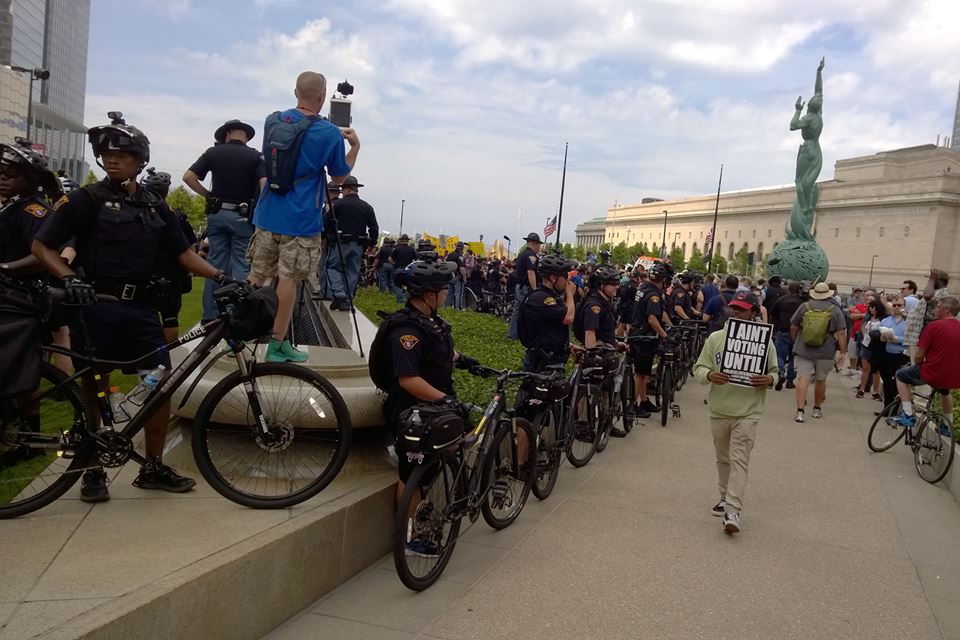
(60, 295)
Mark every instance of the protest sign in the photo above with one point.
(745, 350)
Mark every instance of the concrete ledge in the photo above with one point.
(250, 588)
(952, 481)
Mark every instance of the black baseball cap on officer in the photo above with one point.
(428, 275)
(220, 135)
(119, 136)
(553, 264)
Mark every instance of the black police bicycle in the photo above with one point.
(667, 374)
(488, 470)
(266, 436)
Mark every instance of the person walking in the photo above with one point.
(525, 272)
(819, 333)
(735, 412)
(237, 173)
(356, 227)
(781, 313)
(286, 242)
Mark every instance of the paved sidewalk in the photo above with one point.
(837, 543)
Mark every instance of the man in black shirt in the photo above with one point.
(525, 272)
(383, 263)
(773, 293)
(781, 311)
(455, 292)
(403, 255)
(356, 227)
(597, 315)
(237, 175)
(648, 312)
(546, 316)
(627, 298)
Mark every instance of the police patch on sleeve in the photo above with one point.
(36, 210)
(596, 309)
(680, 294)
(549, 300)
(654, 299)
(62, 200)
(408, 342)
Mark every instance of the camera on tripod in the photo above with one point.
(340, 105)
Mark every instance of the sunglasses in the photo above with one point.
(896, 305)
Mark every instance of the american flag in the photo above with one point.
(550, 228)
(663, 252)
(708, 243)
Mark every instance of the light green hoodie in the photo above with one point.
(731, 400)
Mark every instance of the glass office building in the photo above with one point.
(52, 35)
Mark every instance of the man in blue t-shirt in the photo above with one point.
(286, 243)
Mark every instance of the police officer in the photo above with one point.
(597, 315)
(25, 185)
(455, 295)
(180, 281)
(403, 255)
(237, 175)
(546, 316)
(421, 346)
(681, 299)
(626, 298)
(525, 274)
(122, 233)
(356, 222)
(648, 320)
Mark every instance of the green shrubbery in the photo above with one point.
(480, 335)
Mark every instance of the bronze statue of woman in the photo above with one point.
(809, 163)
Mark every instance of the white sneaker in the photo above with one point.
(720, 508)
(799, 417)
(731, 522)
(817, 412)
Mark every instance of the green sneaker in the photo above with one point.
(278, 351)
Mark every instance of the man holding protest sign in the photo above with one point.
(740, 364)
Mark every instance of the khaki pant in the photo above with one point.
(733, 440)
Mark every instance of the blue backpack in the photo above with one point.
(281, 149)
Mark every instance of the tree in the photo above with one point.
(740, 264)
(696, 262)
(193, 206)
(91, 178)
(676, 259)
(719, 264)
(644, 249)
(605, 246)
(655, 252)
(579, 253)
(619, 255)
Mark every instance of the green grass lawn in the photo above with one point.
(480, 335)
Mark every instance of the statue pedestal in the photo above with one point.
(798, 260)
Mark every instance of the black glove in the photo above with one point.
(462, 409)
(79, 291)
(466, 362)
(223, 279)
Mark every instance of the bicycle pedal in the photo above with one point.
(675, 408)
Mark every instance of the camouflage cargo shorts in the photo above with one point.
(292, 257)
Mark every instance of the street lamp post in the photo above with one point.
(35, 74)
(507, 238)
(402, 202)
(872, 260)
(663, 246)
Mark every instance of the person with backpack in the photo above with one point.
(300, 148)
(819, 332)
(546, 316)
(237, 174)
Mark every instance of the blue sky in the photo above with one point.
(463, 106)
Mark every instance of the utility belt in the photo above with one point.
(216, 204)
(362, 238)
(153, 292)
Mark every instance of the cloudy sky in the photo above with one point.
(463, 106)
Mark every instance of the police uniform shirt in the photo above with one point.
(384, 254)
(356, 218)
(649, 302)
(627, 296)
(403, 255)
(236, 171)
(456, 258)
(417, 352)
(526, 261)
(542, 314)
(680, 298)
(20, 221)
(598, 316)
(118, 237)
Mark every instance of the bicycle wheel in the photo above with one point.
(585, 414)
(884, 433)
(625, 409)
(508, 473)
(666, 394)
(933, 447)
(35, 468)
(426, 527)
(683, 370)
(309, 436)
(606, 418)
(548, 453)
(470, 300)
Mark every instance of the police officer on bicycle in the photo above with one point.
(648, 321)
(24, 181)
(598, 318)
(546, 316)
(122, 232)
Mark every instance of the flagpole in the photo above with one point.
(563, 183)
(716, 211)
(519, 225)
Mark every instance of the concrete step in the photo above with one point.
(155, 565)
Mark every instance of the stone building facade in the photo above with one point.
(899, 210)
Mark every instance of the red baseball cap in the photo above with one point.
(744, 300)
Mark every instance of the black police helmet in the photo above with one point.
(661, 271)
(606, 274)
(156, 181)
(426, 275)
(119, 136)
(688, 277)
(553, 264)
(19, 154)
